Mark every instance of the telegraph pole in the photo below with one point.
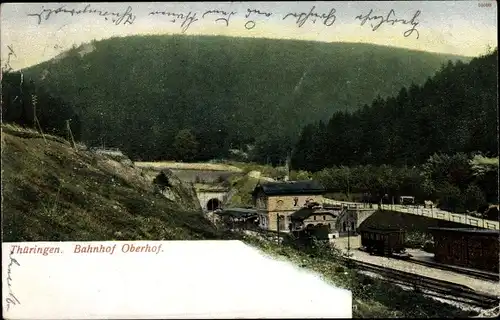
(70, 134)
(278, 226)
(34, 101)
(348, 191)
(348, 235)
(289, 164)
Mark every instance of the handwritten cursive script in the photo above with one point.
(11, 297)
(222, 15)
(7, 67)
(126, 17)
(251, 23)
(187, 19)
(389, 18)
(327, 19)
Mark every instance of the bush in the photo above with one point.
(492, 213)
(450, 198)
(428, 246)
(300, 175)
(474, 198)
(483, 208)
(416, 239)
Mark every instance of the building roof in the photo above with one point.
(238, 212)
(467, 230)
(380, 229)
(306, 212)
(290, 188)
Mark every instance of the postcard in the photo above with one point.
(306, 159)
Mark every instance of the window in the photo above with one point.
(279, 204)
(314, 217)
(324, 217)
(260, 203)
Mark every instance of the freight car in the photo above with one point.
(383, 241)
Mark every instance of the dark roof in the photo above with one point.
(305, 213)
(238, 212)
(467, 230)
(381, 229)
(290, 188)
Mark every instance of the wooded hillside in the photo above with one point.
(454, 111)
(148, 94)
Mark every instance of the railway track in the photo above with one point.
(476, 274)
(440, 288)
(472, 273)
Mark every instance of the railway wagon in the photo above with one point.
(383, 241)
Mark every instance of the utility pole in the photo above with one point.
(348, 235)
(347, 191)
(349, 188)
(34, 101)
(278, 226)
(288, 165)
(103, 146)
(70, 134)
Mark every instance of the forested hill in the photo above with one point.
(137, 93)
(453, 112)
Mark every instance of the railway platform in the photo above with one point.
(479, 285)
(426, 258)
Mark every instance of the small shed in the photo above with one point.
(467, 247)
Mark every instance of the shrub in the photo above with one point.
(416, 239)
(428, 246)
(474, 198)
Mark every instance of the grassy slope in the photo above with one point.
(52, 193)
(244, 185)
(182, 81)
(187, 166)
(266, 170)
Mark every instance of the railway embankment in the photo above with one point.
(52, 191)
(408, 222)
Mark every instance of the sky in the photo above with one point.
(465, 28)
